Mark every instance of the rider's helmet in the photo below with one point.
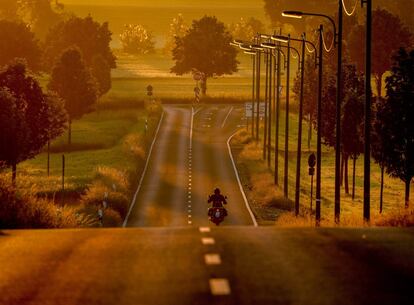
(217, 191)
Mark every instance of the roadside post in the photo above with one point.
(311, 163)
(150, 92)
(197, 94)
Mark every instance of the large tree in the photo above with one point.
(178, 28)
(136, 39)
(310, 91)
(388, 35)
(91, 37)
(353, 88)
(73, 82)
(41, 15)
(247, 29)
(17, 41)
(395, 120)
(25, 116)
(205, 48)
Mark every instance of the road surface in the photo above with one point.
(233, 266)
(189, 160)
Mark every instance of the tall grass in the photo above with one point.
(22, 210)
(258, 181)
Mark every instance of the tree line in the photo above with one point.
(392, 140)
(75, 56)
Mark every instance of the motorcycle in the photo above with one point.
(217, 214)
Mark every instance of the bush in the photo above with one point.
(134, 144)
(23, 211)
(112, 218)
(112, 176)
(95, 196)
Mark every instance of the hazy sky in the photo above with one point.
(190, 3)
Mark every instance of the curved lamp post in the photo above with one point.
(286, 161)
(338, 44)
(299, 145)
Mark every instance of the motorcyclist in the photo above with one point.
(217, 199)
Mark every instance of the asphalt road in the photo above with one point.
(189, 160)
(244, 265)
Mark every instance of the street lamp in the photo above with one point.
(259, 49)
(286, 163)
(338, 43)
(286, 39)
(245, 46)
(367, 138)
(277, 47)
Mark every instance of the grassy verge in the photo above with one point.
(268, 201)
(103, 163)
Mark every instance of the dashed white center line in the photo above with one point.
(204, 229)
(219, 287)
(212, 259)
(208, 241)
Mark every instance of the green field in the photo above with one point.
(98, 140)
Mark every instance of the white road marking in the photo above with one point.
(219, 287)
(143, 172)
(238, 180)
(204, 229)
(212, 259)
(208, 241)
(227, 116)
(191, 127)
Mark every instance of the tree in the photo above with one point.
(395, 120)
(377, 145)
(352, 132)
(58, 118)
(247, 29)
(178, 28)
(18, 42)
(73, 82)
(136, 39)
(9, 9)
(92, 38)
(353, 90)
(388, 35)
(41, 15)
(102, 73)
(205, 48)
(24, 116)
(310, 91)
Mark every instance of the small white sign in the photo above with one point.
(249, 109)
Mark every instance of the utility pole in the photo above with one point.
(299, 147)
(286, 178)
(367, 144)
(338, 119)
(319, 133)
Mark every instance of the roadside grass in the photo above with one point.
(106, 157)
(270, 206)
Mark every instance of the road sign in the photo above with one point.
(312, 163)
(249, 109)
